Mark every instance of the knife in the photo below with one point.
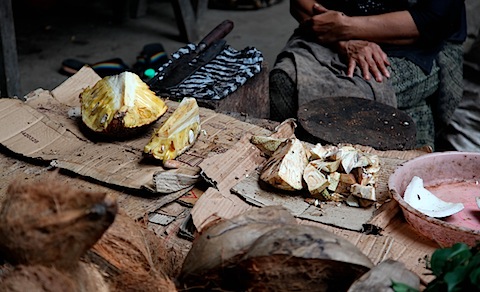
(180, 69)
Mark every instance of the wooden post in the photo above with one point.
(188, 13)
(9, 72)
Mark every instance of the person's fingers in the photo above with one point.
(383, 69)
(351, 67)
(376, 74)
(384, 63)
(380, 69)
(373, 68)
(365, 69)
(385, 59)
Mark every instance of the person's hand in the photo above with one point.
(368, 56)
(327, 26)
(301, 9)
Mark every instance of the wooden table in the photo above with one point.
(223, 151)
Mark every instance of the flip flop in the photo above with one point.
(152, 56)
(105, 68)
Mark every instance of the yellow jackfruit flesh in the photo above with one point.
(266, 144)
(120, 102)
(284, 170)
(177, 134)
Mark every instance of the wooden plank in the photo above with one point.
(251, 99)
(201, 7)
(9, 72)
(186, 19)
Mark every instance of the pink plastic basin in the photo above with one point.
(451, 176)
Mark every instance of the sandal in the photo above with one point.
(105, 68)
(152, 56)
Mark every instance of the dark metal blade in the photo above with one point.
(183, 70)
(182, 67)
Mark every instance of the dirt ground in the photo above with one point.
(49, 31)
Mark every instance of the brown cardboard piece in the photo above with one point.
(238, 171)
(257, 193)
(42, 128)
(392, 238)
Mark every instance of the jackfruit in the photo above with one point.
(119, 103)
(363, 192)
(266, 144)
(315, 179)
(284, 170)
(177, 134)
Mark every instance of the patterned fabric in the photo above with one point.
(220, 77)
(430, 99)
(283, 105)
(450, 61)
(413, 88)
(317, 72)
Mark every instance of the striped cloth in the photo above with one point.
(220, 77)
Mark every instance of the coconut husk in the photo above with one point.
(84, 277)
(133, 256)
(48, 230)
(37, 278)
(46, 222)
(300, 258)
(222, 244)
(271, 252)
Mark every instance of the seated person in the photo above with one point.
(406, 53)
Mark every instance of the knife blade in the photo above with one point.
(180, 69)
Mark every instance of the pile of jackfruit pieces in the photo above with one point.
(340, 173)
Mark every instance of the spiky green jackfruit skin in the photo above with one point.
(177, 134)
(119, 103)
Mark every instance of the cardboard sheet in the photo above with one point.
(389, 236)
(237, 171)
(43, 129)
(254, 191)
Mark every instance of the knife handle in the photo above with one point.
(219, 32)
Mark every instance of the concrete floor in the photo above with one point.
(85, 31)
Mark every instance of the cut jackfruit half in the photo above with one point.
(120, 102)
(177, 134)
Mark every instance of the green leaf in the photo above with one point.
(474, 268)
(435, 286)
(447, 259)
(475, 278)
(455, 278)
(401, 287)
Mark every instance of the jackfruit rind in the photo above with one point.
(120, 102)
(177, 134)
